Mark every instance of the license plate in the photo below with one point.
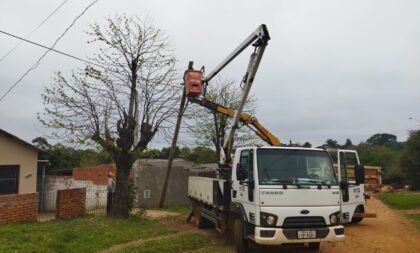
(306, 234)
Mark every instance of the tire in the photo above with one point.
(241, 243)
(314, 246)
(359, 209)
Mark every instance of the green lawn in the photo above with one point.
(181, 242)
(95, 234)
(84, 234)
(401, 200)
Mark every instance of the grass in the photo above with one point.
(401, 200)
(92, 234)
(84, 234)
(179, 243)
(416, 218)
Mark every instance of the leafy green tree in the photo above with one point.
(381, 139)
(201, 155)
(122, 105)
(378, 156)
(150, 154)
(332, 143)
(63, 158)
(307, 145)
(410, 160)
(348, 143)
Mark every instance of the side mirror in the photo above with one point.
(241, 173)
(344, 185)
(359, 174)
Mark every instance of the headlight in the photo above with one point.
(268, 219)
(335, 218)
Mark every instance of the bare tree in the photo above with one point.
(209, 128)
(123, 105)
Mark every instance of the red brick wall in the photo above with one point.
(18, 207)
(70, 202)
(97, 174)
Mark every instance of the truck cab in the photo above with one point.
(275, 195)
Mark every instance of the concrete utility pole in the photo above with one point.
(173, 147)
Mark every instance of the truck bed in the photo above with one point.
(207, 190)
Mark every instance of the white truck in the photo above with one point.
(271, 195)
(275, 195)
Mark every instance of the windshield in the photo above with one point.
(288, 166)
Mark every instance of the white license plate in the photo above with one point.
(306, 234)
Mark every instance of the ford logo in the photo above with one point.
(304, 211)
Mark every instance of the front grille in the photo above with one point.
(304, 222)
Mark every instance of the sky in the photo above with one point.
(332, 69)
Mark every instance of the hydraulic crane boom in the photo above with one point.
(244, 118)
(195, 82)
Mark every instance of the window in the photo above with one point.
(246, 163)
(294, 166)
(348, 161)
(9, 179)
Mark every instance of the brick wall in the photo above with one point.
(97, 174)
(18, 207)
(70, 202)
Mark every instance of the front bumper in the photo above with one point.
(277, 236)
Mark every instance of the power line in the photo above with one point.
(52, 49)
(46, 52)
(34, 30)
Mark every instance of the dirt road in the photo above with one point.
(390, 232)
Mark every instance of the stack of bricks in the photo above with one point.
(71, 202)
(18, 207)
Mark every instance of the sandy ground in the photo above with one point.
(389, 232)
(157, 213)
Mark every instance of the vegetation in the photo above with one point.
(401, 200)
(85, 234)
(415, 217)
(62, 158)
(97, 234)
(410, 160)
(122, 104)
(400, 161)
(181, 242)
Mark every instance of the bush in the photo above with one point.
(394, 177)
(410, 160)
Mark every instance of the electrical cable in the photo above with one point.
(46, 52)
(34, 30)
(52, 49)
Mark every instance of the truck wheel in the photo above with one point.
(314, 246)
(241, 242)
(359, 209)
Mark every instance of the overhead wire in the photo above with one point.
(46, 52)
(34, 30)
(52, 49)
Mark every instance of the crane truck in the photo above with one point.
(353, 195)
(270, 195)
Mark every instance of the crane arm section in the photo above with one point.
(244, 118)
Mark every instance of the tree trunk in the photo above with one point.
(120, 200)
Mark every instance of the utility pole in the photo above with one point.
(173, 147)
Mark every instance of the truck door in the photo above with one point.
(243, 190)
(352, 194)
